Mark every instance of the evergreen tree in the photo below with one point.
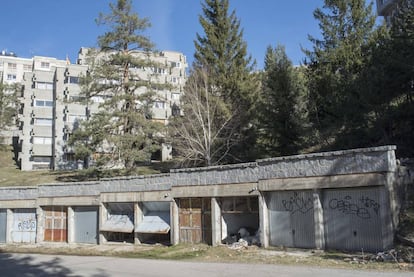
(283, 110)
(223, 52)
(335, 64)
(122, 131)
(391, 83)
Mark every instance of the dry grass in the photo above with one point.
(11, 175)
(221, 254)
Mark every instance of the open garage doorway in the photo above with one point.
(240, 219)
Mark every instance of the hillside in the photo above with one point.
(11, 175)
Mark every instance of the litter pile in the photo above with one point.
(244, 238)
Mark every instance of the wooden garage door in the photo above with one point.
(55, 224)
(195, 220)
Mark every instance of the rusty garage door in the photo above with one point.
(3, 225)
(291, 218)
(353, 218)
(24, 226)
(195, 220)
(55, 219)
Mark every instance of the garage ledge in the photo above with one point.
(339, 181)
(354, 161)
(215, 175)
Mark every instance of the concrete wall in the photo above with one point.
(349, 169)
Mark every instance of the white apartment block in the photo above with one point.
(49, 111)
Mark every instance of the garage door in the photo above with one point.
(291, 218)
(3, 225)
(24, 226)
(353, 218)
(55, 224)
(86, 224)
(195, 220)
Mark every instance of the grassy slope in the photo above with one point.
(11, 175)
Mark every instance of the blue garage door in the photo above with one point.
(3, 225)
(86, 224)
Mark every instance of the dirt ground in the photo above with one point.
(228, 254)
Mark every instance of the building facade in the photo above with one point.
(342, 200)
(50, 108)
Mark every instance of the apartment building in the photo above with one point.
(49, 109)
(12, 69)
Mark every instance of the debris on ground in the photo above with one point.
(244, 237)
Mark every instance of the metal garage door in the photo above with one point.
(3, 225)
(86, 224)
(55, 224)
(195, 220)
(24, 226)
(353, 218)
(291, 218)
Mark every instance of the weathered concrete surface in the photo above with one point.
(361, 167)
(215, 175)
(355, 161)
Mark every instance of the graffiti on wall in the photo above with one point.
(298, 203)
(363, 207)
(27, 225)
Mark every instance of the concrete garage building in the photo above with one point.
(345, 200)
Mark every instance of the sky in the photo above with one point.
(59, 28)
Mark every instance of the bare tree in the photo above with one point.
(205, 133)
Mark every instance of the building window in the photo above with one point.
(11, 77)
(43, 121)
(71, 80)
(76, 118)
(12, 66)
(44, 85)
(69, 157)
(44, 65)
(42, 159)
(159, 105)
(42, 140)
(175, 96)
(43, 103)
(159, 70)
(176, 64)
(27, 67)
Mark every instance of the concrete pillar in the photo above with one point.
(40, 225)
(388, 211)
(175, 225)
(264, 221)
(9, 226)
(215, 222)
(318, 220)
(103, 216)
(71, 225)
(138, 217)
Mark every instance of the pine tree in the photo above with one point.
(122, 130)
(8, 105)
(335, 64)
(223, 53)
(283, 114)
